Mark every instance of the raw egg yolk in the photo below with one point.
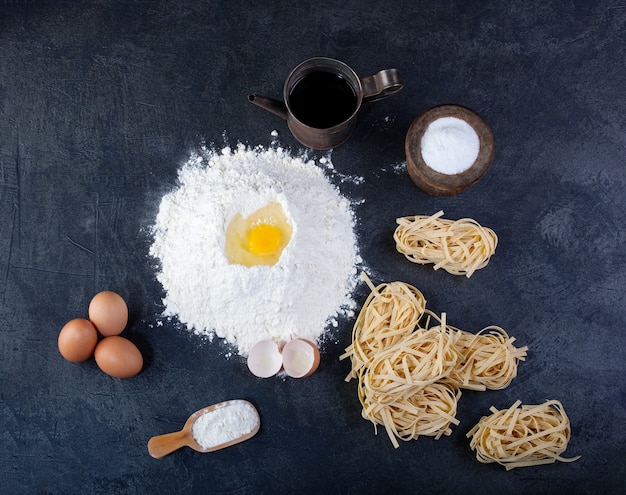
(263, 239)
(258, 239)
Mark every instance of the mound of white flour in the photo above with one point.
(299, 296)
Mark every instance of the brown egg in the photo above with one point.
(77, 340)
(108, 312)
(118, 357)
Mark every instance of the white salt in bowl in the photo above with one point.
(448, 148)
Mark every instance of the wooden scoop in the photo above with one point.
(162, 445)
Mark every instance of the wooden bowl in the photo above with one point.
(436, 183)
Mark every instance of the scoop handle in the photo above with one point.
(161, 445)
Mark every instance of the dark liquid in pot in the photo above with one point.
(322, 100)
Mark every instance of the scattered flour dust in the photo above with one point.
(302, 294)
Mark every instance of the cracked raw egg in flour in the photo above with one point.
(258, 239)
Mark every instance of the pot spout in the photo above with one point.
(274, 106)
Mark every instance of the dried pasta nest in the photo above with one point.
(389, 314)
(522, 435)
(429, 412)
(489, 360)
(459, 247)
(421, 359)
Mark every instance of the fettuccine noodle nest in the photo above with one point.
(459, 246)
(389, 314)
(429, 411)
(522, 436)
(421, 359)
(411, 365)
(489, 360)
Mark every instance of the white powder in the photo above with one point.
(224, 423)
(450, 145)
(299, 296)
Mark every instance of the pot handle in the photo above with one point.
(385, 83)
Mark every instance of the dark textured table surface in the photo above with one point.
(101, 104)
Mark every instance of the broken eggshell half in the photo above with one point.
(301, 358)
